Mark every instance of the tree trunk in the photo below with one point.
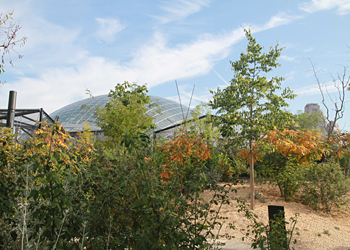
(252, 191)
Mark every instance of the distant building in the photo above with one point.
(314, 107)
(311, 107)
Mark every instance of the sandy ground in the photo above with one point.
(314, 229)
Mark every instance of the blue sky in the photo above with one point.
(81, 44)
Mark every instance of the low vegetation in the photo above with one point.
(129, 191)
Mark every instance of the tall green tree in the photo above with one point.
(249, 106)
(124, 116)
(314, 121)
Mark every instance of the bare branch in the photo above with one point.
(8, 34)
(341, 83)
(320, 88)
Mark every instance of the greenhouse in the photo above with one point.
(75, 115)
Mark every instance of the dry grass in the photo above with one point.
(314, 229)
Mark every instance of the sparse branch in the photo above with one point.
(320, 88)
(341, 83)
(8, 36)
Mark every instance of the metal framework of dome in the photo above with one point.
(75, 115)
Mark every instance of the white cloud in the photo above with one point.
(108, 29)
(51, 85)
(47, 45)
(342, 6)
(308, 90)
(180, 9)
(290, 75)
(57, 87)
(160, 63)
(153, 63)
(287, 58)
(314, 90)
(275, 21)
(308, 50)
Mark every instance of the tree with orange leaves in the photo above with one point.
(283, 153)
(301, 146)
(184, 157)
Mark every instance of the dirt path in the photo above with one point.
(314, 229)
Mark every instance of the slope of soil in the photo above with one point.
(314, 229)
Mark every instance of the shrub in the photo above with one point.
(325, 186)
(283, 172)
(133, 204)
(185, 157)
(69, 198)
(232, 167)
(47, 201)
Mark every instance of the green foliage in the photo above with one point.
(325, 186)
(58, 192)
(117, 199)
(344, 160)
(45, 204)
(220, 163)
(289, 180)
(11, 185)
(249, 107)
(232, 167)
(286, 174)
(134, 204)
(125, 114)
(204, 125)
(272, 236)
(311, 121)
(213, 177)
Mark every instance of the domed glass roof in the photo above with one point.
(75, 115)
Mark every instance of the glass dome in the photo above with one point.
(75, 115)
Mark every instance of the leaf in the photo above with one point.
(34, 193)
(57, 222)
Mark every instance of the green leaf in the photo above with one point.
(57, 222)
(34, 193)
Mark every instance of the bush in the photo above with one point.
(139, 202)
(47, 201)
(67, 197)
(289, 180)
(325, 186)
(213, 176)
(344, 162)
(232, 167)
(284, 173)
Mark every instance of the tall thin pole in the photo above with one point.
(41, 118)
(188, 109)
(178, 93)
(252, 191)
(11, 109)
